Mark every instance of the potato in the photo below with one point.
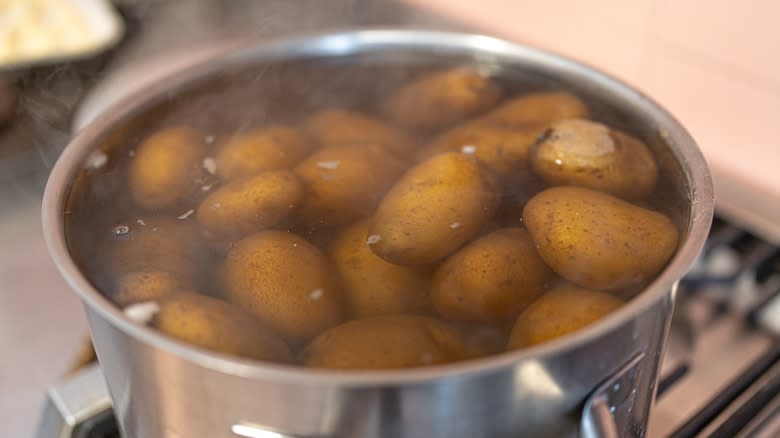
(216, 325)
(156, 244)
(165, 168)
(502, 150)
(383, 342)
(371, 285)
(537, 109)
(251, 204)
(345, 182)
(492, 278)
(338, 127)
(443, 98)
(598, 241)
(433, 209)
(273, 148)
(136, 287)
(560, 311)
(590, 154)
(285, 281)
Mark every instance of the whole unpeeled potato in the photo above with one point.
(490, 279)
(537, 109)
(590, 154)
(443, 98)
(165, 168)
(558, 312)
(383, 342)
(435, 208)
(274, 147)
(219, 326)
(285, 281)
(503, 150)
(156, 244)
(251, 204)
(339, 127)
(345, 182)
(136, 287)
(373, 286)
(596, 240)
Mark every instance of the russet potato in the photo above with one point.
(156, 244)
(166, 167)
(284, 281)
(590, 154)
(490, 279)
(558, 312)
(596, 240)
(247, 205)
(384, 342)
(275, 147)
(219, 326)
(345, 182)
(136, 287)
(504, 151)
(339, 127)
(537, 109)
(373, 286)
(435, 208)
(440, 99)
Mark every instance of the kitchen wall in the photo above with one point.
(715, 64)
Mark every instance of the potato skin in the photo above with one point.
(596, 240)
(560, 311)
(345, 182)
(373, 286)
(443, 98)
(157, 244)
(490, 279)
(436, 207)
(537, 109)
(273, 148)
(285, 281)
(385, 342)
(339, 127)
(502, 150)
(219, 326)
(137, 287)
(165, 168)
(251, 204)
(589, 154)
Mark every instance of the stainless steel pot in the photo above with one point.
(599, 382)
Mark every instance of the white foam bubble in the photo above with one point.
(316, 294)
(210, 164)
(142, 313)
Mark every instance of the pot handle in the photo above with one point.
(76, 405)
(608, 410)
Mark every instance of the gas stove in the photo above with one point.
(720, 375)
(721, 371)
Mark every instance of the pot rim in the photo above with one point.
(361, 41)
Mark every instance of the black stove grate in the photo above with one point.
(732, 295)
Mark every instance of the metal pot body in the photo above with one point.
(162, 388)
(160, 394)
